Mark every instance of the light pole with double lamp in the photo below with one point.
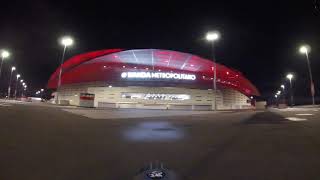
(65, 41)
(212, 37)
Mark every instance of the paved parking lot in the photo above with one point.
(47, 142)
(133, 113)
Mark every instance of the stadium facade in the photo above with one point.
(150, 79)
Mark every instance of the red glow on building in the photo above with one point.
(105, 65)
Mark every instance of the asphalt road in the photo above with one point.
(39, 142)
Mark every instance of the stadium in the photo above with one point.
(150, 79)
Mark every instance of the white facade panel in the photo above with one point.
(155, 97)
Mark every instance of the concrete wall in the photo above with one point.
(71, 93)
(233, 99)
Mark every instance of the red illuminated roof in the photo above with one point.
(104, 64)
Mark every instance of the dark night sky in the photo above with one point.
(259, 38)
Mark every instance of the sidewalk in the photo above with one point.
(307, 106)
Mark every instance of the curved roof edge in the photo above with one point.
(81, 58)
(84, 57)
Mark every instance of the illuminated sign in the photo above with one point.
(152, 96)
(157, 75)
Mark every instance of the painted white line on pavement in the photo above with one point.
(297, 109)
(5, 105)
(304, 114)
(295, 119)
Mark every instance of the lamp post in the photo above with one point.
(41, 92)
(4, 54)
(284, 93)
(305, 49)
(65, 41)
(9, 87)
(278, 93)
(24, 88)
(212, 37)
(290, 76)
(276, 99)
(15, 91)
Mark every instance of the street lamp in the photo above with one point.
(23, 91)
(4, 54)
(9, 87)
(24, 88)
(276, 100)
(65, 41)
(290, 76)
(305, 49)
(279, 92)
(22, 83)
(41, 92)
(212, 37)
(15, 91)
(284, 92)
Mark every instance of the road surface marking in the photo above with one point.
(304, 114)
(4, 105)
(297, 109)
(295, 119)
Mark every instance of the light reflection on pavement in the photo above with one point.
(154, 131)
